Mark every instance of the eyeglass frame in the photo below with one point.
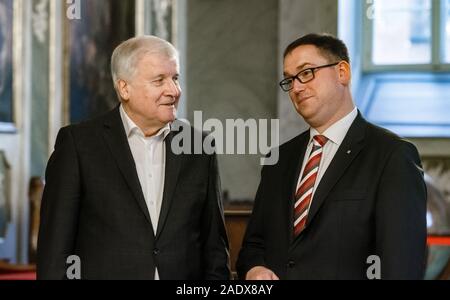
(313, 70)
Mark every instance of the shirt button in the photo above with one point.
(291, 264)
(152, 203)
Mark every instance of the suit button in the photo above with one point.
(156, 251)
(291, 264)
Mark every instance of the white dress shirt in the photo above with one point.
(335, 134)
(149, 154)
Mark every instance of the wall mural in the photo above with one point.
(92, 38)
(438, 214)
(161, 13)
(6, 61)
(5, 207)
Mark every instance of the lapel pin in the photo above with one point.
(349, 151)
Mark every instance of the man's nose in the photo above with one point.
(173, 88)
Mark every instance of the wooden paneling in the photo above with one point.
(236, 219)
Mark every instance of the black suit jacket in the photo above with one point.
(93, 207)
(370, 201)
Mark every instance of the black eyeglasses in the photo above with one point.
(303, 76)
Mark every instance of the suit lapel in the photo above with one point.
(349, 149)
(115, 137)
(173, 165)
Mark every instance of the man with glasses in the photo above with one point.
(347, 199)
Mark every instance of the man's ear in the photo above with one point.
(345, 73)
(123, 89)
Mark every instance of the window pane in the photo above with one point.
(447, 31)
(402, 32)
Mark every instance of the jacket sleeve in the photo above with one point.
(253, 247)
(216, 249)
(59, 209)
(401, 216)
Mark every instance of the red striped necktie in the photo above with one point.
(303, 196)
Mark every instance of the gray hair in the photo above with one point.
(126, 56)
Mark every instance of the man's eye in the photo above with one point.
(306, 73)
(158, 81)
(286, 81)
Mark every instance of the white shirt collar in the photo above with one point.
(337, 132)
(131, 127)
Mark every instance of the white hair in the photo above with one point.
(126, 56)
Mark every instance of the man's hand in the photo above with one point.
(261, 273)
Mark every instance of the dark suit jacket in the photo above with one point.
(93, 207)
(370, 201)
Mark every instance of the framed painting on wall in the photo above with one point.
(5, 206)
(90, 42)
(6, 65)
(157, 17)
(437, 177)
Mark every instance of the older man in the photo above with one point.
(347, 199)
(117, 196)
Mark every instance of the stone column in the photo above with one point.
(298, 18)
(231, 73)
